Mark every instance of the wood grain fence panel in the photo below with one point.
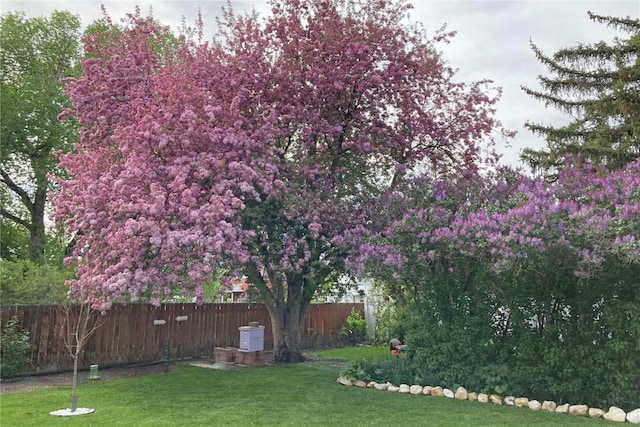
(233, 322)
(159, 333)
(145, 324)
(106, 344)
(52, 338)
(108, 337)
(208, 329)
(109, 342)
(193, 331)
(224, 326)
(51, 347)
(167, 328)
(204, 331)
(100, 342)
(229, 322)
(138, 329)
(39, 328)
(125, 336)
(215, 324)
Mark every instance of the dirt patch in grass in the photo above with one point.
(41, 381)
(37, 382)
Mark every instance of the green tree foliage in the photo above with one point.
(15, 240)
(355, 330)
(35, 54)
(598, 85)
(25, 282)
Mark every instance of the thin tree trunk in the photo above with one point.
(74, 384)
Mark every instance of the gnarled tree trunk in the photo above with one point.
(287, 300)
(287, 319)
(287, 323)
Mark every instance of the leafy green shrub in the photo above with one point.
(449, 352)
(356, 329)
(576, 370)
(396, 371)
(393, 370)
(387, 325)
(497, 378)
(15, 347)
(360, 369)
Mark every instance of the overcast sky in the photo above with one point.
(492, 40)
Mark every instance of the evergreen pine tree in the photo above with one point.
(598, 85)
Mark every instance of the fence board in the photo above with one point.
(127, 333)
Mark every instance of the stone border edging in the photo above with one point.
(613, 414)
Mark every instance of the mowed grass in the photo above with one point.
(289, 395)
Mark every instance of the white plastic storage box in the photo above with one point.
(251, 338)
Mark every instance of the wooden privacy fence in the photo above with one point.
(127, 334)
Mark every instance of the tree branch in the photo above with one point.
(24, 196)
(14, 218)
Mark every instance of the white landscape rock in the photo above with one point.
(633, 417)
(393, 388)
(437, 391)
(596, 412)
(345, 381)
(473, 396)
(578, 410)
(534, 405)
(447, 393)
(461, 393)
(615, 414)
(495, 399)
(549, 406)
(372, 384)
(521, 402)
(562, 409)
(404, 388)
(360, 383)
(381, 386)
(510, 400)
(483, 398)
(415, 389)
(426, 390)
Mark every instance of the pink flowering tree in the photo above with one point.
(257, 151)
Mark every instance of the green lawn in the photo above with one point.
(297, 395)
(355, 353)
